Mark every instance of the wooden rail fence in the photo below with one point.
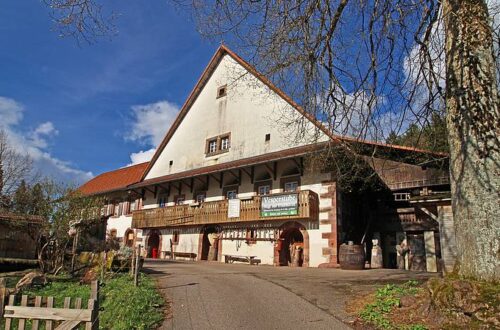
(65, 318)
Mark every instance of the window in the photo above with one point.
(179, 199)
(231, 194)
(170, 163)
(268, 137)
(264, 190)
(291, 183)
(212, 146)
(200, 196)
(162, 200)
(116, 211)
(222, 91)
(175, 238)
(291, 186)
(218, 144)
(224, 143)
(133, 206)
(263, 187)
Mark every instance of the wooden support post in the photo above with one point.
(136, 272)
(3, 293)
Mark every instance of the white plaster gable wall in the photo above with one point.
(121, 224)
(249, 112)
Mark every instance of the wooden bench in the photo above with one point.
(189, 255)
(252, 260)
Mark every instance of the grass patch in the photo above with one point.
(125, 306)
(386, 299)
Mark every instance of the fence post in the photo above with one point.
(136, 271)
(3, 293)
(94, 294)
(132, 263)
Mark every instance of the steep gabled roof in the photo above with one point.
(212, 65)
(114, 180)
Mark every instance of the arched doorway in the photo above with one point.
(128, 238)
(210, 243)
(153, 244)
(292, 248)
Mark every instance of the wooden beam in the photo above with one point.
(208, 181)
(275, 170)
(179, 189)
(192, 184)
(156, 191)
(149, 189)
(234, 175)
(214, 177)
(200, 180)
(221, 182)
(252, 174)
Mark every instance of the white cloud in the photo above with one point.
(11, 112)
(150, 122)
(141, 156)
(35, 144)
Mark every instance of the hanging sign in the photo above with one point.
(233, 208)
(279, 205)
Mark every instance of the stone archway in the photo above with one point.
(292, 235)
(153, 241)
(207, 250)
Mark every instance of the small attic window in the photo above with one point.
(268, 137)
(222, 91)
(171, 163)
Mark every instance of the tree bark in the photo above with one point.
(473, 122)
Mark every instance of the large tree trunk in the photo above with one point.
(473, 122)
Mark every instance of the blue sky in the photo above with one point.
(76, 109)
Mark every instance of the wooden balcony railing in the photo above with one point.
(217, 213)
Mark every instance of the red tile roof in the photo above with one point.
(114, 180)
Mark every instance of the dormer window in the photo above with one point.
(221, 91)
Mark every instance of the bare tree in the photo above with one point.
(366, 68)
(14, 168)
(360, 66)
(84, 20)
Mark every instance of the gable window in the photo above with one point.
(222, 91)
(224, 143)
(218, 144)
(212, 146)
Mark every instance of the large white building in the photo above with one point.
(232, 178)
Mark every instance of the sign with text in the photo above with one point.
(233, 208)
(279, 205)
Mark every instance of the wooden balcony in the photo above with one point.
(217, 212)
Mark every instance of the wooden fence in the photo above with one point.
(65, 318)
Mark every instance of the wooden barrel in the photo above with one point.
(352, 257)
